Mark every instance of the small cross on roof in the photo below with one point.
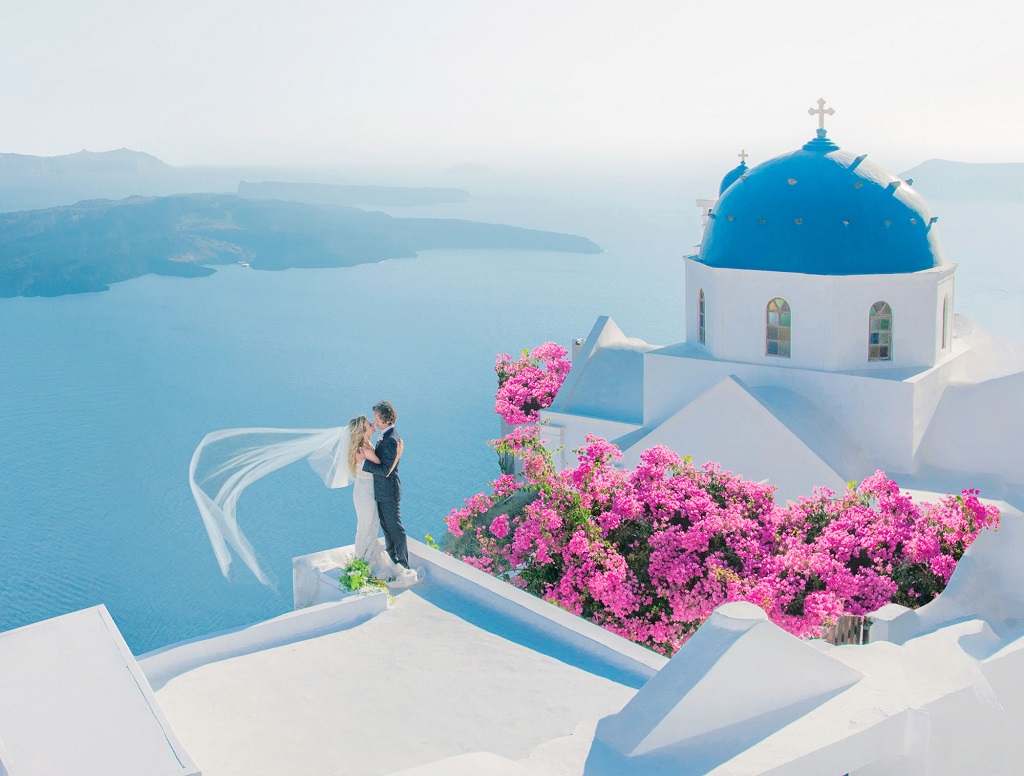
(821, 112)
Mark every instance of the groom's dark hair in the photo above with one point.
(386, 411)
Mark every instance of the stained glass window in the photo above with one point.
(778, 326)
(880, 332)
(700, 315)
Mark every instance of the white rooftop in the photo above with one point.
(439, 674)
(74, 701)
(464, 674)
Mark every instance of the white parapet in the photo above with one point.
(74, 701)
(162, 665)
(5, 760)
(316, 577)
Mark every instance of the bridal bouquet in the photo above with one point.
(357, 576)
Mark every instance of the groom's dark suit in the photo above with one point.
(387, 492)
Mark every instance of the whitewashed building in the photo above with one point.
(820, 343)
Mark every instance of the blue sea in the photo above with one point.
(104, 397)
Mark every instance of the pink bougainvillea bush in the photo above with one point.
(529, 385)
(649, 553)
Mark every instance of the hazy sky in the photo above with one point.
(548, 81)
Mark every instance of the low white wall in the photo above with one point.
(987, 584)
(6, 766)
(980, 428)
(518, 605)
(316, 578)
(162, 665)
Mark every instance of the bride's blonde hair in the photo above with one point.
(356, 429)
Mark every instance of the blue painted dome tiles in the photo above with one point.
(820, 211)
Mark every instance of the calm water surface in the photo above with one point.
(103, 397)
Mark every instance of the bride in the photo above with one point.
(226, 462)
(368, 545)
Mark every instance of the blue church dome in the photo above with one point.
(732, 176)
(820, 211)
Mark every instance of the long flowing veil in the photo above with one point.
(230, 460)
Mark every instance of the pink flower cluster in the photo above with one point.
(529, 385)
(649, 553)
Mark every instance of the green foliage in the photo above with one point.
(357, 576)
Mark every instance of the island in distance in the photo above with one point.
(87, 246)
(352, 196)
(973, 181)
(34, 182)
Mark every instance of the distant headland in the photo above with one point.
(350, 196)
(976, 181)
(35, 182)
(89, 245)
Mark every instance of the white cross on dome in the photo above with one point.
(821, 112)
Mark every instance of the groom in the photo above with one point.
(387, 487)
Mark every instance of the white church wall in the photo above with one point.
(816, 427)
(877, 412)
(979, 428)
(944, 313)
(728, 425)
(697, 278)
(830, 315)
(929, 388)
(673, 381)
(552, 436)
(607, 375)
(913, 299)
(885, 411)
(570, 432)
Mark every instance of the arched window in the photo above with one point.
(880, 332)
(778, 324)
(945, 321)
(700, 316)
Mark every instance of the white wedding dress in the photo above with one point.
(369, 546)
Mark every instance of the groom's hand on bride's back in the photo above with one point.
(398, 456)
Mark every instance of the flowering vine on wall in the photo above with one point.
(529, 384)
(649, 553)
